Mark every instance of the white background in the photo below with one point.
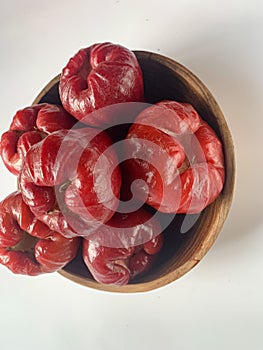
(219, 304)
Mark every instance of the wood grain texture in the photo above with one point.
(165, 78)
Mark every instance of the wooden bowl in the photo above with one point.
(167, 79)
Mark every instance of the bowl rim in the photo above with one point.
(230, 178)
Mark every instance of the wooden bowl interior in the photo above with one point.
(167, 79)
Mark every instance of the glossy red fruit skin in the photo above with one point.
(98, 76)
(20, 252)
(123, 248)
(71, 181)
(183, 168)
(29, 126)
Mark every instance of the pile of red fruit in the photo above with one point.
(73, 180)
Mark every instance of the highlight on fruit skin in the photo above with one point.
(124, 248)
(98, 76)
(27, 246)
(71, 190)
(29, 126)
(177, 155)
